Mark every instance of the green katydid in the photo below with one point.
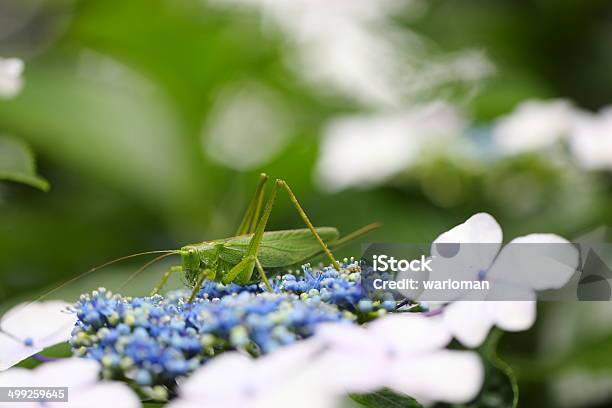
(234, 259)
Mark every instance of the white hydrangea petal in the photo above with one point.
(410, 333)
(358, 358)
(346, 337)
(13, 352)
(341, 372)
(482, 237)
(68, 372)
(234, 380)
(276, 367)
(468, 321)
(45, 323)
(16, 377)
(286, 397)
(80, 376)
(290, 393)
(341, 161)
(102, 395)
(10, 77)
(185, 403)
(537, 261)
(12, 67)
(393, 142)
(222, 376)
(591, 140)
(513, 316)
(534, 125)
(465, 267)
(479, 228)
(355, 359)
(445, 376)
(286, 360)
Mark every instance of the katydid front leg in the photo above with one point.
(247, 263)
(262, 274)
(164, 280)
(203, 274)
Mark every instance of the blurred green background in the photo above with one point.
(125, 105)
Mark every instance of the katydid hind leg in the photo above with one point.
(347, 239)
(308, 223)
(251, 215)
(257, 212)
(244, 276)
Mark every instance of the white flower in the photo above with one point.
(514, 272)
(591, 140)
(81, 378)
(534, 125)
(404, 352)
(354, 48)
(27, 329)
(366, 150)
(233, 380)
(10, 77)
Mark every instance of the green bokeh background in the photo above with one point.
(124, 157)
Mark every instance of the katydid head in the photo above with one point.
(190, 258)
(196, 258)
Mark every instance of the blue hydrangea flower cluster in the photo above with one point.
(151, 342)
(341, 288)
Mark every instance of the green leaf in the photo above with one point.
(17, 164)
(385, 399)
